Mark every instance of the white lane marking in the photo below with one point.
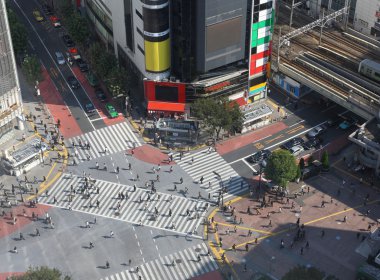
(59, 70)
(297, 123)
(67, 106)
(101, 118)
(279, 143)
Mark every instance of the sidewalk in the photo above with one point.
(38, 115)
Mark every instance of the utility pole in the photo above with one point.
(320, 35)
(291, 15)
(278, 48)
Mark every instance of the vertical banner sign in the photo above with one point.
(262, 22)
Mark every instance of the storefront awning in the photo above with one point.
(166, 106)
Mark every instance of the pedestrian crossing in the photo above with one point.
(139, 206)
(186, 266)
(107, 140)
(216, 173)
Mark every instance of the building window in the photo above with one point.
(141, 50)
(140, 32)
(139, 14)
(129, 32)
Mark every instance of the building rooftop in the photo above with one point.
(372, 131)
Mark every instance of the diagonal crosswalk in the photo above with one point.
(159, 210)
(186, 266)
(216, 172)
(113, 138)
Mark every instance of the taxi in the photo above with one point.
(55, 21)
(37, 15)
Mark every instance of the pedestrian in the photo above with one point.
(270, 223)
(91, 245)
(344, 219)
(111, 234)
(107, 264)
(246, 247)
(181, 180)
(21, 236)
(301, 251)
(357, 235)
(37, 232)
(322, 233)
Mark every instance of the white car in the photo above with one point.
(315, 132)
(60, 58)
(296, 150)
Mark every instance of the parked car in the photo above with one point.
(47, 10)
(316, 131)
(60, 58)
(334, 121)
(68, 41)
(346, 124)
(259, 156)
(100, 94)
(89, 107)
(73, 82)
(83, 66)
(111, 111)
(292, 142)
(296, 150)
(37, 15)
(312, 143)
(55, 21)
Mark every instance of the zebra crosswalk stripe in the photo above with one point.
(205, 165)
(186, 266)
(131, 210)
(115, 138)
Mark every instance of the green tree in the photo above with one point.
(116, 81)
(78, 28)
(101, 61)
(237, 118)
(217, 114)
(18, 33)
(302, 272)
(42, 273)
(281, 167)
(32, 68)
(325, 160)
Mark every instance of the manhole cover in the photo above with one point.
(178, 261)
(197, 250)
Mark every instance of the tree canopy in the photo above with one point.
(78, 28)
(42, 273)
(281, 167)
(302, 272)
(18, 33)
(325, 160)
(32, 68)
(218, 114)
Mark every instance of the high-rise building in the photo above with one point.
(10, 95)
(186, 49)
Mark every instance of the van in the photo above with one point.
(60, 58)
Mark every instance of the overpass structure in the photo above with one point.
(320, 72)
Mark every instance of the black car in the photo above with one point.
(83, 66)
(68, 41)
(100, 94)
(89, 107)
(259, 156)
(47, 10)
(73, 82)
(312, 143)
(334, 121)
(292, 142)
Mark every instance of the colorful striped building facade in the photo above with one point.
(263, 14)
